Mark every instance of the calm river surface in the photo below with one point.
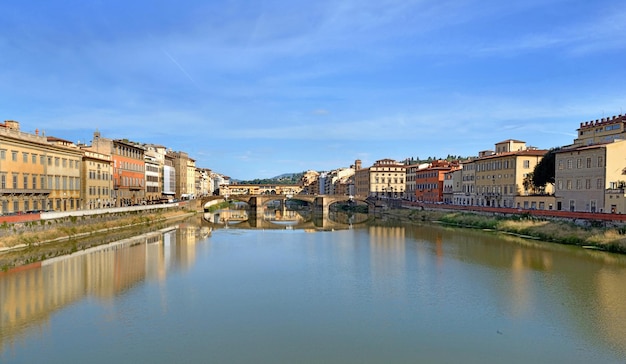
(386, 293)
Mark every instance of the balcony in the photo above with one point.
(492, 194)
(135, 187)
(616, 191)
(23, 192)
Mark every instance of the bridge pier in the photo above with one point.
(256, 204)
(321, 205)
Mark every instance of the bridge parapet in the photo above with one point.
(320, 201)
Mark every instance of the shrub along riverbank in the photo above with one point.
(562, 232)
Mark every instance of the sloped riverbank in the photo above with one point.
(589, 236)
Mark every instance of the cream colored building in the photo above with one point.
(335, 178)
(180, 162)
(203, 182)
(154, 157)
(601, 131)
(584, 174)
(615, 199)
(310, 182)
(385, 178)
(499, 177)
(191, 179)
(467, 195)
(453, 186)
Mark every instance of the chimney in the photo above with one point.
(12, 124)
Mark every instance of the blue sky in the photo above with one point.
(260, 88)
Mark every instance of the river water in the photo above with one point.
(377, 292)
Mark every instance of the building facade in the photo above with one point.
(97, 180)
(429, 181)
(24, 172)
(601, 131)
(499, 177)
(584, 175)
(129, 177)
(386, 178)
(64, 170)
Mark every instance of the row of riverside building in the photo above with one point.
(40, 173)
(590, 175)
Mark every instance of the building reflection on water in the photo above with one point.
(29, 297)
(582, 288)
(576, 285)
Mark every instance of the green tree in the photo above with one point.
(545, 169)
(528, 183)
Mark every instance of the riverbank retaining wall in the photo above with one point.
(68, 219)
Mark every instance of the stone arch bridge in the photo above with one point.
(319, 202)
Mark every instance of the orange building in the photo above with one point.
(129, 178)
(429, 180)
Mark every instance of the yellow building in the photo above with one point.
(190, 187)
(97, 180)
(584, 174)
(600, 131)
(63, 170)
(499, 177)
(37, 173)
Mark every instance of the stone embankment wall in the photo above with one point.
(70, 219)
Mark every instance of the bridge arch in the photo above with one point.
(257, 201)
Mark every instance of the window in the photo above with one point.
(3, 154)
(569, 184)
(579, 163)
(600, 161)
(600, 184)
(14, 156)
(588, 162)
(3, 181)
(25, 181)
(569, 164)
(560, 165)
(34, 158)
